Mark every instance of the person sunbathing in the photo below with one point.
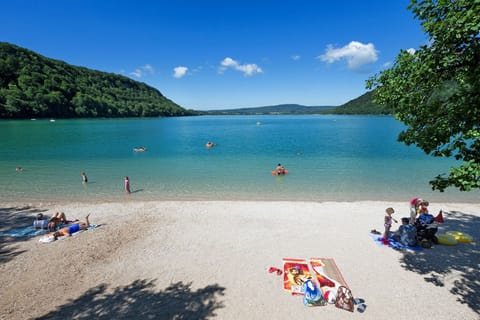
(56, 220)
(74, 227)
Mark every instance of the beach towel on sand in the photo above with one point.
(24, 232)
(332, 284)
(295, 274)
(392, 243)
(49, 238)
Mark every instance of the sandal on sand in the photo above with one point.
(273, 269)
(375, 231)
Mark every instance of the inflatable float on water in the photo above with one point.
(460, 236)
(139, 149)
(275, 173)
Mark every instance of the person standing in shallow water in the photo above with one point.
(127, 185)
(84, 178)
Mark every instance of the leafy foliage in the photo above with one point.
(435, 90)
(35, 86)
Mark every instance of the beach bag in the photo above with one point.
(408, 236)
(313, 296)
(344, 299)
(41, 224)
(425, 219)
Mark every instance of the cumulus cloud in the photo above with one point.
(247, 69)
(142, 71)
(296, 57)
(411, 51)
(355, 53)
(179, 72)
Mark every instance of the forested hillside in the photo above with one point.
(360, 105)
(35, 86)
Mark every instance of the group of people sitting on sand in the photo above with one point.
(59, 225)
(419, 228)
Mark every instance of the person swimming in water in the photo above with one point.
(280, 169)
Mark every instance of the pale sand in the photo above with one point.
(202, 260)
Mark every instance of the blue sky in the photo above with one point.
(207, 55)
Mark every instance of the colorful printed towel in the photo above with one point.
(333, 285)
(295, 274)
(378, 238)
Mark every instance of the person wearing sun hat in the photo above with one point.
(414, 206)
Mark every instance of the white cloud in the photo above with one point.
(137, 73)
(296, 57)
(411, 51)
(247, 69)
(142, 71)
(179, 72)
(355, 53)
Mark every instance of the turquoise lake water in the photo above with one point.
(339, 158)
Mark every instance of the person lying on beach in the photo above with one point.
(57, 220)
(74, 227)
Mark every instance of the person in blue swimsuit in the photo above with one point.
(75, 227)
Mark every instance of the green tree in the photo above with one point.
(435, 90)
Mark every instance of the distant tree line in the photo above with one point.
(35, 86)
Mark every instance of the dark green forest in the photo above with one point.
(33, 86)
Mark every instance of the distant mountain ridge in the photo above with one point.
(360, 105)
(276, 109)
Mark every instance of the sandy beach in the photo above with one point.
(210, 260)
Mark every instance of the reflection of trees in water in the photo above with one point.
(438, 263)
(139, 300)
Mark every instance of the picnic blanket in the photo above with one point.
(24, 232)
(397, 245)
(49, 238)
(295, 273)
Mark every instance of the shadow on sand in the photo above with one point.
(139, 300)
(10, 218)
(461, 261)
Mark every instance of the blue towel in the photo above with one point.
(393, 243)
(24, 232)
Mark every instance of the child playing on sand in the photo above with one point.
(388, 221)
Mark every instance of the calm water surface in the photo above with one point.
(329, 158)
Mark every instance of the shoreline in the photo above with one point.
(210, 259)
